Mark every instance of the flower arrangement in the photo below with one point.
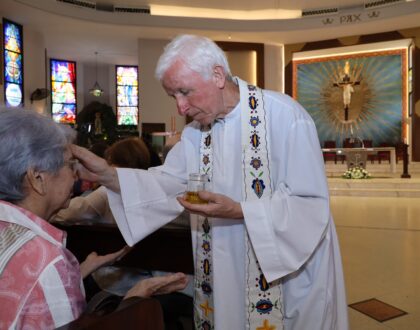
(356, 172)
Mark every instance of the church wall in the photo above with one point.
(273, 67)
(365, 39)
(157, 107)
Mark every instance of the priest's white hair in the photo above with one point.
(199, 54)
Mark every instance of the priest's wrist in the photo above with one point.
(109, 179)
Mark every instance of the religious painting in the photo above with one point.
(357, 95)
(13, 63)
(63, 91)
(127, 95)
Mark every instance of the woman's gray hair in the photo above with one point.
(200, 54)
(28, 140)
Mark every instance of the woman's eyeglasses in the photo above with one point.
(72, 163)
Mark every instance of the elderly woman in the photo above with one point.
(40, 280)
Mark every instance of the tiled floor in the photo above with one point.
(380, 245)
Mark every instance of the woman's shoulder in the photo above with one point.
(31, 250)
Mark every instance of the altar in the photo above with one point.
(358, 156)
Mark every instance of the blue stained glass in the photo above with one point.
(127, 96)
(13, 94)
(13, 63)
(12, 37)
(13, 67)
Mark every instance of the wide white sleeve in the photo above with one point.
(286, 228)
(148, 198)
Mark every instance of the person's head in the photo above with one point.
(35, 160)
(200, 54)
(195, 72)
(131, 153)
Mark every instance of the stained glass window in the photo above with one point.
(127, 95)
(63, 87)
(13, 63)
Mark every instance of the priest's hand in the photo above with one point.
(216, 206)
(95, 169)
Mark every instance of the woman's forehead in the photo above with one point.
(67, 152)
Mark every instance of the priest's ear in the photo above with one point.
(219, 76)
(36, 181)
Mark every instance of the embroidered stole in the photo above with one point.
(264, 302)
(203, 278)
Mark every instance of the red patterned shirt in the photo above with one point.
(40, 280)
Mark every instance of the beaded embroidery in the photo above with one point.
(264, 307)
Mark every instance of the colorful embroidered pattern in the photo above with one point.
(264, 301)
(203, 294)
(256, 163)
(258, 186)
(264, 310)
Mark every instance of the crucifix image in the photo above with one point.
(346, 84)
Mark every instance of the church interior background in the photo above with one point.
(362, 85)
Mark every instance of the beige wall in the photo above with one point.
(155, 105)
(273, 67)
(243, 64)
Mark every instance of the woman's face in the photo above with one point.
(60, 185)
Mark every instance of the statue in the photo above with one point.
(98, 123)
(347, 85)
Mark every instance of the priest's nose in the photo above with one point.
(182, 106)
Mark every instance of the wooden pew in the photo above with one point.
(139, 313)
(167, 249)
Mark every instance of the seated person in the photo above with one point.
(131, 152)
(40, 280)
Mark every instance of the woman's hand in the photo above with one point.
(95, 169)
(158, 285)
(94, 261)
(218, 206)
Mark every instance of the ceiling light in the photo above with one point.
(264, 14)
(96, 90)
